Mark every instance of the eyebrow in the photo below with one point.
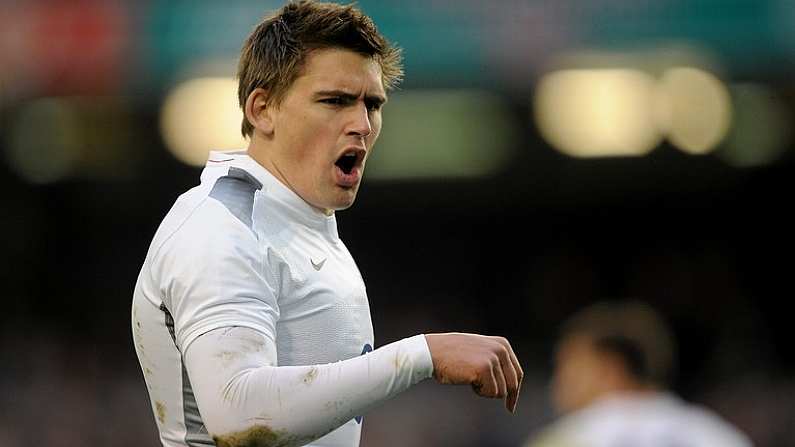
(378, 99)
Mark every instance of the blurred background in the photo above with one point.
(539, 156)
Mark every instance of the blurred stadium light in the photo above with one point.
(603, 104)
(443, 134)
(597, 112)
(55, 138)
(201, 115)
(694, 109)
(43, 143)
(761, 129)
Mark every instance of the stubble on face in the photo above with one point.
(333, 109)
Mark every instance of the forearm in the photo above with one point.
(241, 393)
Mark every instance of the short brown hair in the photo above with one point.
(634, 332)
(273, 54)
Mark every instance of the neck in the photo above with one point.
(260, 150)
(627, 385)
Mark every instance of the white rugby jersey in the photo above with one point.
(242, 250)
(641, 420)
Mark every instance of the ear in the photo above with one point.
(257, 111)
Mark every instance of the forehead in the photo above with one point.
(340, 69)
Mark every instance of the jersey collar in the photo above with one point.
(275, 189)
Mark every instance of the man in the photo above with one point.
(250, 318)
(612, 364)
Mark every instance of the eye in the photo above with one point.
(373, 106)
(334, 100)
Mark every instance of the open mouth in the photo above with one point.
(347, 162)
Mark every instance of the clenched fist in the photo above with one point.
(488, 364)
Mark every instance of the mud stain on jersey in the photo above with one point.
(139, 341)
(399, 361)
(160, 409)
(335, 405)
(228, 357)
(311, 375)
(249, 345)
(243, 339)
(260, 436)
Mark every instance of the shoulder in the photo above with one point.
(659, 418)
(602, 422)
(236, 192)
(213, 218)
(568, 431)
(711, 428)
(552, 436)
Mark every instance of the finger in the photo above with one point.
(514, 359)
(513, 398)
(511, 379)
(519, 375)
(486, 385)
(501, 379)
(513, 388)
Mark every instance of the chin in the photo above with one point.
(343, 204)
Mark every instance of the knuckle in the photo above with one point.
(483, 366)
(501, 355)
(501, 340)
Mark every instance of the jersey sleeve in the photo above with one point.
(212, 274)
(221, 284)
(244, 399)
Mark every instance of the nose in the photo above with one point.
(359, 125)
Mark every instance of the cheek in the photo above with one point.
(566, 379)
(574, 381)
(309, 141)
(563, 390)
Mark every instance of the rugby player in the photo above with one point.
(613, 367)
(250, 317)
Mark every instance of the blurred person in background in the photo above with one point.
(250, 318)
(613, 364)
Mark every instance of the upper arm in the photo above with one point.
(213, 275)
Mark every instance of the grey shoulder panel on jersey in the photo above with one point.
(236, 192)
